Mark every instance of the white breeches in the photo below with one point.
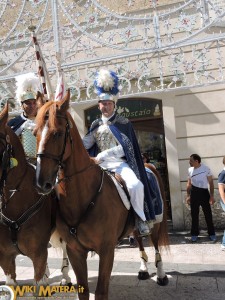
(134, 186)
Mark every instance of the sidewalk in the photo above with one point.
(195, 271)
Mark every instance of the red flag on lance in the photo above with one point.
(42, 71)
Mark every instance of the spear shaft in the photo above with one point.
(42, 72)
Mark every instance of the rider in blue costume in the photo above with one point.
(112, 141)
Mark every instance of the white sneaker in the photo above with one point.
(222, 247)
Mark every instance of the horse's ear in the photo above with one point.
(40, 99)
(4, 114)
(64, 103)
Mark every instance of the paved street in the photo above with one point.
(195, 271)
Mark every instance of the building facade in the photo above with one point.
(169, 56)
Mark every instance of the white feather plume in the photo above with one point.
(105, 80)
(26, 83)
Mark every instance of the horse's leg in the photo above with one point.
(57, 242)
(40, 268)
(78, 260)
(66, 280)
(106, 259)
(9, 267)
(162, 278)
(47, 272)
(143, 272)
(132, 241)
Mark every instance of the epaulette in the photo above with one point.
(94, 124)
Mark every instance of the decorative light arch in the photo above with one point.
(153, 45)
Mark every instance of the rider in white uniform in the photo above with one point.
(112, 141)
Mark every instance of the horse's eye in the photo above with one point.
(57, 135)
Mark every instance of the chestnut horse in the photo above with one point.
(91, 216)
(26, 217)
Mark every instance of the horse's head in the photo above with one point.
(4, 139)
(11, 150)
(53, 132)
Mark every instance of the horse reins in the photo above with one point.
(15, 226)
(76, 173)
(7, 154)
(73, 229)
(5, 161)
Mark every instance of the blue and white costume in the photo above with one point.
(113, 142)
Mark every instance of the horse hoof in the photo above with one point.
(143, 275)
(162, 281)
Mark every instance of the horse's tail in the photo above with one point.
(163, 236)
(163, 230)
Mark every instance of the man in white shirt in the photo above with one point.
(199, 178)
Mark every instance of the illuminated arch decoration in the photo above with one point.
(153, 45)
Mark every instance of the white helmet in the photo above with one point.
(27, 87)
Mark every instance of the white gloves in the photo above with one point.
(115, 152)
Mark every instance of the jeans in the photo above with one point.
(223, 207)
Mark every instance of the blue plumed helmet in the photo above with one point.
(106, 85)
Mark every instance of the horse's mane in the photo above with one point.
(48, 109)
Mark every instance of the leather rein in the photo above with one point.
(14, 225)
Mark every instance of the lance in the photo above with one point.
(60, 88)
(42, 72)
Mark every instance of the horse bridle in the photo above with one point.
(59, 158)
(14, 225)
(7, 153)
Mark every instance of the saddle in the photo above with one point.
(121, 187)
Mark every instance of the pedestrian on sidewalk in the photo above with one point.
(221, 187)
(198, 194)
